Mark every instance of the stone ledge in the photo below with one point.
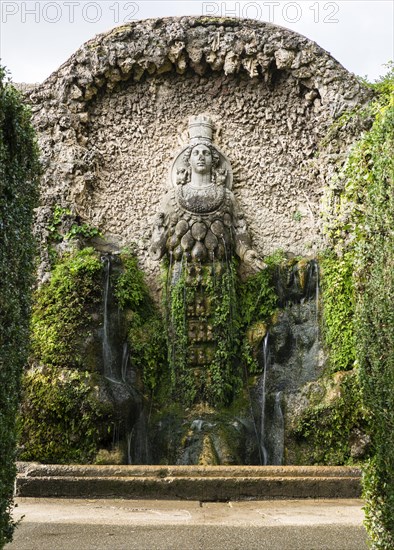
(188, 483)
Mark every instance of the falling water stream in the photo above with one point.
(107, 350)
(277, 428)
(125, 361)
(117, 369)
(263, 400)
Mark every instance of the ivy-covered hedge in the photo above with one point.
(362, 238)
(375, 319)
(19, 171)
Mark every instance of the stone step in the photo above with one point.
(204, 483)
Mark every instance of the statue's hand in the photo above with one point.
(253, 259)
(158, 238)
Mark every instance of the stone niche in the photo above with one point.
(111, 118)
(109, 124)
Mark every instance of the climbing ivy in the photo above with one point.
(213, 286)
(146, 331)
(19, 172)
(224, 377)
(361, 234)
(374, 321)
(233, 306)
(338, 313)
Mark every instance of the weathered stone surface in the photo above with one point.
(203, 483)
(110, 119)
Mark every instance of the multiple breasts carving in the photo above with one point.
(199, 220)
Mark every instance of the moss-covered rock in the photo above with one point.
(66, 310)
(63, 418)
(327, 423)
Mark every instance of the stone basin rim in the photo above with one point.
(34, 469)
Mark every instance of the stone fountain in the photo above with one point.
(242, 115)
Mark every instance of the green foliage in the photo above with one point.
(60, 416)
(130, 289)
(57, 219)
(349, 189)
(64, 329)
(257, 303)
(218, 380)
(232, 307)
(383, 87)
(60, 413)
(338, 310)
(258, 298)
(223, 378)
(59, 216)
(148, 349)
(19, 172)
(375, 321)
(84, 230)
(361, 233)
(146, 334)
(63, 308)
(326, 426)
(297, 216)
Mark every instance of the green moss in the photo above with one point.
(130, 288)
(258, 297)
(204, 434)
(146, 334)
(233, 306)
(60, 413)
(324, 431)
(63, 308)
(61, 416)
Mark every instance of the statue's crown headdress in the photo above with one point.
(200, 129)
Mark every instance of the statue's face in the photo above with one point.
(201, 159)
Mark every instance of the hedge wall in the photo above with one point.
(360, 325)
(374, 322)
(19, 171)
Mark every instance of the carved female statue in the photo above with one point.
(199, 229)
(199, 218)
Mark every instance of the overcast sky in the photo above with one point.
(38, 36)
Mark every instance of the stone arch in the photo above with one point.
(106, 113)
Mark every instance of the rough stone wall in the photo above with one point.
(111, 119)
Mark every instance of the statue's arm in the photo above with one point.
(160, 231)
(243, 243)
